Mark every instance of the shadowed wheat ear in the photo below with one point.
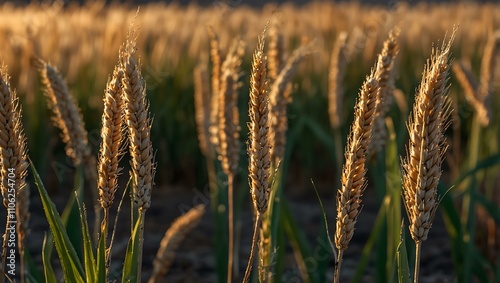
(470, 85)
(179, 229)
(425, 152)
(385, 75)
(338, 63)
(111, 134)
(258, 143)
(14, 164)
(278, 100)
(354, 170)
(202, 109)
(67, 115)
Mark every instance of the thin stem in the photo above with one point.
(255, 238)
(141, 243)
(337, 266)
(418, 246)
(230, 201)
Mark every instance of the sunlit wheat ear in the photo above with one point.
(111, 134)
(338, 63)
(425, 152)
(67, 116)
(202, 109)
(426, 126)
(279, 96)
(354, 170)
(385, 75)
(216, 73)
(14, 164)
(258, 142)
(137, 118)
(463, 72)
(174, 236)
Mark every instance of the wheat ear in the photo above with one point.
(258, 143)
(110, 151)
(216, 73)
(278, 100)
(276, 49)
(336, 75)
(67, 115)
(202, 109)
(138, 123)
(13, 169)
(470, 85)
(425, 152)
(174, 236)
(354, 170)
(385, 75)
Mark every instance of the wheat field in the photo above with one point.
(231, 143)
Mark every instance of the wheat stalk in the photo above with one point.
(229, 136)
(258, 143)
(354, 170)
(384, 73)
(425, 152)
(139, 135)
(13, 168)
(174, 236)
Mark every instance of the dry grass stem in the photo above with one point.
(14, 164)
(336, 75)
(173, 238)
(385, 75)
(425, 152)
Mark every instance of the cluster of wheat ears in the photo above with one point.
(126, 122)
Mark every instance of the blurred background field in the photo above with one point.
(82, 41)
